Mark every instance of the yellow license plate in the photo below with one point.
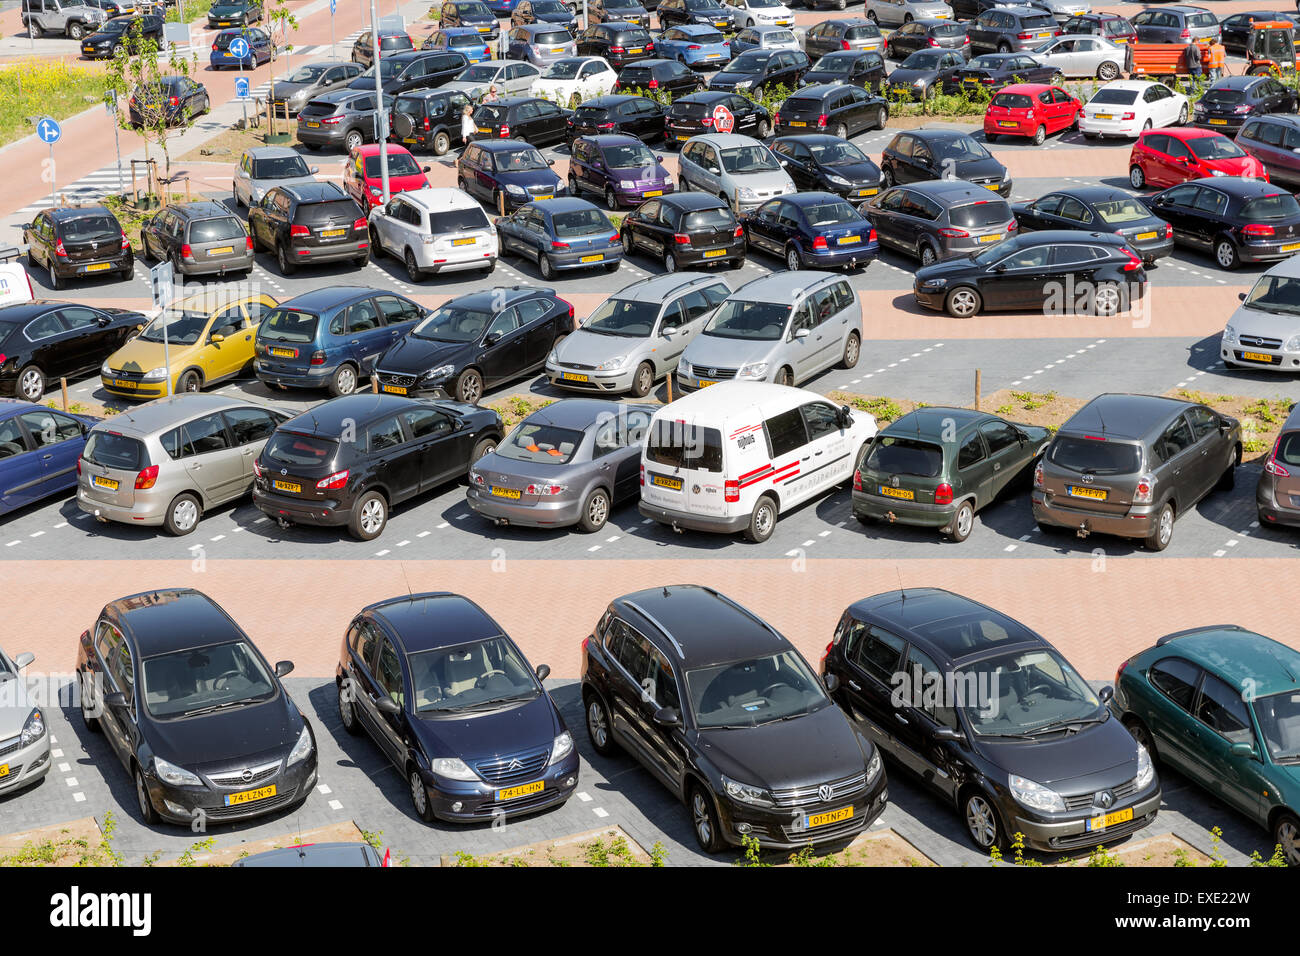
(484, 129)
(1119, 39)
(223, 23)
(249, 796)
(574, 377)
(395, 389)
(673, 484)
(227, 54)
(1010, 123)
(993, 238)
(537, 786)
(1257, 357)
(1145, 235)
(596, 258)
(484, 29)
(1218, 122)
(408, 139)
(1096, 494)
(1110, 819)
(681, 138)
(992, 186)
(713, 56)
(868, 192)
(798, 123)
(849, 240)
(284, 353)
(557, 49)
(99, 267)
(830, 816)
(1291, 247)
(123, 383)
(222, 251)
(505, 492)
(704, 383)
(101, 482)
(635, 49)
(1043, 36)
(1104, 116)
(903, 494)
(4, 770)
(652, 192)
(540, 198)
(313, 124)
(464, 242)
(714, 253)
(332, 233)
(292, 486)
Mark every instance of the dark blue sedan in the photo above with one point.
(811, 230)
(560, 235)
(39, 448)
(508, 173)
(259, 44)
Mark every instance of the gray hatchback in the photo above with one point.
(941, 219)
(1278, 493)
(200, 238)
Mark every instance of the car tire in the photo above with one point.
(990, 137)
(369, 516)
(1141, 735)
(31, 384)
(841, 131)
(1146, 126)
(440, 144)
(419, 796)
(376, 246)
(598, 725)
(595, 511)
(793, 259)
(413, 272)
(1107, 72)
(573, 185)
(852, 351)
(1182, 115)
(183, 515)
(485, 446)
(763, 130)
(928, 254)
(886, 178)
(963, 302)
(704, 816)
(1106, 299)
(1225, 253)
(762, 520)
(469, 386)
(347, 710)
(643, 380)
(1286, 834)
(189, 382)
(1136, 177)
(1004, 47)
(544, 266)
(1164, 531)
(56, 282)
(1040, 135)
(882, 117)
(1228, 480)
(871, 15)
(353, 140)
(611, 200)
(625, 237)
(982, 822)
(343, 381)
(963, 522)
(76, 31)
(144, 801)
(670, 262)
(612, 266)
(287, 266)
(87, 681)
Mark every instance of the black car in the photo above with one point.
(671, 77)
(618, 11)
(692, 115)
(234, 13)
(756, 70)
(924, 73)
(926, 154)
(428, 119)
(131, 32)
(171, 100)
(78, 242)
(455, 706)
(821, 162)
(470, 13)
(309, 223)
(685, 231)
(194, 712)
(1232, 100)
(709, 13)
(413, 70)
(1029, 272)
(1235, 31)
(475, 342)
(43, 341)
(637, 116)
(390, 42)
(928, 34)
(619, 43)
(1234, 220)
(843, 33)
(534, 120)
(991, 716)
(723, 710)
(1100, 209)
(544, 11)
(992, 71)
(834, 108)
(862, 68)
(351, 460)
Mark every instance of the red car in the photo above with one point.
(1035, 110)
(362, 180)
(1167, 157)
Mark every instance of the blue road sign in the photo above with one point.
(241, 88)
(239, 48)
(49, 131)
(333, 6)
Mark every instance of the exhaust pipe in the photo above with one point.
(675, 528)
(100, 518)
(1084, 530)
(890, 517)
(282, 523)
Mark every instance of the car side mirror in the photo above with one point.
(831, 682)
(801, 334)
(1106, 693)
(313, 170)
(1224, 426)
(1242, 750)
(845, 416)
(386, 705)
(283, 668)
(1000, 267)
(543, 671)
(949, 733)
(103, 321)
(659, 159)
(115, 699)
(550, 162)
(668, 331)
(668, 717)
(22, 660)
(426, 168)
(492, 338)
(1241, 297)
(216, 338)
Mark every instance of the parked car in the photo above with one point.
(507, 173)
(363, 174)
(1030, 110)
(764, 38)
(39, 448)
(534, 120)
(44, 341)
(1177, 23)
(75, 242)
(923, 74)
(618, 168)
(194, 712)
(474, 342)
(636, 335)
(1025, 747)
(840, 109)
(1061, 10)
(309, 224)
(508, 77)
(234, 13)
(855, 67)
(630, 115)
(1168, 157)
(263, 167)
(616, 43)
(467, 41)
(760, 13)
(724, 711)
(390, 42)
(1084, 56)
(709, 13)
(71, 18)
(1235, 30)
(932, 153)
(129, 32)
(692, 114)
(258, 42)
(760, 70)
(470, 13)
(15, 283)
(414, 70)
(540, 43)
(574, 79)
(1275, 141)
(843, 33)
(822, 162)
(342, 118)
(1263, 332)
(198, 238)
(900, 13)
(560, 235)
(1232, 100)
(940, 219)
(434, 231)
(1011, 29)
(429, 120)
(1110, 26)
(993, 71)
(1126, 107)
(1100, 209)
(735, 168)
(936, 467)
(811, 230)
(618, 11)
(684, 230)
(203, 338)
(171, 101)
(670, 77)
(1234, 220)
(699, 47)
(1277, 494)
(926, 34)
(545, 11)
(22, 722)
(329, 338)
(313, 472)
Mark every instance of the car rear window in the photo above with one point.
(1043, 22)
(580, 222)
(948, 30)
(464, 39)
(395, 43)
(984, 213)
(538, 442)
(319, 108)
(588, 114)
(288, 325)
(861, 33)
(322, 211)
(1202, 20)
(1096, 456)
(683, 108)
(1012, 101)
(707, 219)
(303, 451)
(1272, 206)
(906, 456)
(1223, 97)
(552, 38)
(216, 230)
(1112, 97)
(684, 446)
(457, 220)
(113, 450)
(491, 115)
(801, 104)
(89, 227)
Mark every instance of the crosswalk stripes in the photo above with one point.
(96, 185)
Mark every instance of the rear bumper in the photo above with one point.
(233, 264)
(543, 514)
(912, 513)
(1272, 511)
(306, 255)
(148, 510)
(333, 136)
(573, 260)
(318, 377)
(1266, 251)
(1151, 251)
(682, 520)
(1137, 522)
(89, 268)
(326, 513)
(860, 254)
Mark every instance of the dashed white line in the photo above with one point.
(380, 554)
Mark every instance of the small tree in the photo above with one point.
(280, 22)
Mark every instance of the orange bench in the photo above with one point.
(1165, 59)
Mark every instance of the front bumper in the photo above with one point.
(142, 390)
(545, 513)
(149, 510)
(101, 52)
(326, 513)
(1138, 522)
(1048, 834)
(180, 804)
(916, 514)
(779, 828)
(467, 801)
(24, 767)
(639, 194)
(618, 380)
(1280, 360)
(683, 520)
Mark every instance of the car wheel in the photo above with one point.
(1146, 125)
(762, 520)
(56, 282)
(287, 266)
(928, 256)
(369, 516)
(1141, 735)
(1225, 253)
(1136, 177)
(1040, 135)
(544, 266)
(763, 130)
(886, 178)
(469, 386)
(852, 351)
(871, 15)
(1286, 834)
(595, 511)
(625, 237)
(963, 302)
(963, 522)
(611, 200)
(1107, 72)
(784, 376)
(982, 822)
(670, 262)
(841, 131)
(376, 246)
(643, 380)
(793, 261)
(1106, 299)
(1182, 115)
(353, 140)
(1228, 480)
(1164, 529)
(76, 31)
(347, 709)
(87, 696)
(1004, 47)
(704, 817)
(31, 384)
(420, 796)
(413, 270)
(343, 381)
(485, 447)
(598, 730)
(144, 800)
(573, 185)
(189, 382)
(441, 143)
(991, 137)
(882, 117)
(183, 515)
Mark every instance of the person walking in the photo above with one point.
(467, 127)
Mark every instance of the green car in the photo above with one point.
(1222, 705)
(935, 467)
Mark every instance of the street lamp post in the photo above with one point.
(380, 116)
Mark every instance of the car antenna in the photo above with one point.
(665, 590)
(1283, 666)
(901, 590)
(406, 581)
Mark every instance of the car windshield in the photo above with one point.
(1116, 212)
(537, 442)
(922, 60)
(89, 227)
(1025, 693)
(754, 691)
(749, 159)
(905, 456)
(1095, 456)
(190, 682)
(629, 156)
(182, 327)
(549, 7)
(482, 675)
(288, 325)
(835, 63)
(1272, 206)
(399, 164)
(279, 167)
(740, 319)
(751, 61)
(308, 74)
(1276, 294)
(453, 323)
(580, 222)
(566, 69)
(118, 25)
(1112, 97)
(1214, 147)
(1278, 716)
(960, 149)
(303, 451)
(829, 214)
(763, 4)
(519, 161)
(622, 317)
(838, 153)
(479, 73)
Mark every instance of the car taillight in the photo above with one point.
(336, 480)
(126, 243)
(654, 85)
(332, 120)
(731, 490)
(1186, 34)
(1169, 230)
(604, 126)
(821, 121)
(1024, 36)
(1256, 231)
(844, 45)
(1134, 263)
(214, 48)
(857, 479)
(556, 244)
(871, 236)
(317, 358)
(544, 491)
(187, 252)
(257, 468)
(943, 494)
(297, 232)
(1273, 466)
(1012, 226)
(1143, 492)
(827, 653)
(951, 232)
(426, 124)
(820, 243)
(617, 49)
(59, 250)
(649, 47)
(1129, 116)
(933, 41)
(775, 119)
(695, 46)
(359, 223)
(739, 233)
(248, 243)
(146, 479)
(505, 131)
(1243, 109)
(682, 239)
(1038, 474)
(1119, 671)
(643, 476)
(173, 101)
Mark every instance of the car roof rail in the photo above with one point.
(681, 654)
(744, 610)
(1161, 642)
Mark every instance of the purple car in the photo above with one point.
(619, 167)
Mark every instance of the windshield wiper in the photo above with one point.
(1064, 724)
(214, 708)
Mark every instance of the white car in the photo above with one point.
(1127, 107)
(574, 79)
(896, 12)
(763, 13)
(510, 77)
(434, 230)
(24, 733)
(15, 284)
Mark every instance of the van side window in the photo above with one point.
(844, 296)
(785, 432)
(821, 419)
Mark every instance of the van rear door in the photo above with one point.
(684, 467)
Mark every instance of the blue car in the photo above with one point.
(508, 173)
(329, 338)
(811, 230)
(560, 235)
(502, 8)
(466, 40)
(699, 47)
(39, 448)
(259, 43)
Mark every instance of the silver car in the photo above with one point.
(169, 460)
(24, 734)
(785, 328)
(737, 169)
(1062, 10)
(894, 12)
(636, 336)
(262, 168)
(1264, 333)
(1083, 56)
(309, 81)
(569, 463)
(510, 77)
(541, 44)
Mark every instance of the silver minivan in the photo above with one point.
(785, 328)
(169, 460)
(636, 336)
(737, 169)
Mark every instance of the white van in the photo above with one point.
(15, 284)
(736, 455)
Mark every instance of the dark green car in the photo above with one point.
(935, 467)
(1222, 705)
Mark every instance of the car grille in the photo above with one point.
(235, 780)
(243, 809)
(1260, 342)
(807, 796)
(987, 181)
(14, 773)
(578, 368)
(127, 376)
(716, 374)
(9, 746)
(391, 378)
(1085, 800)
(833, 831)
(542, 190)
(514, 768)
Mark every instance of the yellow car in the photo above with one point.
(210, 338)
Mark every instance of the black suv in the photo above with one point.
(835, 108)
(723, 710)
(663, 76)
(819, 161)
(428, 119)
(756, 70)
(475, 342)
(348, 461)
(685, 231)
(709, 13)
(536, 121)
(390, 42)
(309, 223)
(636, 116)
(619, 43)
(413, 70)
(864, 68)
(470, 13)
(78, 242)
(44, 341)
(692, 115)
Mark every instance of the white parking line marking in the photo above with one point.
(600, 812)
(612, 538)
(380, 554)
(12, 543)
(594, 547)
(584, 796)
(323, 789)
(402, 544)
(1011, 547)
(56, 754)
(335, 805)
(424, 534)
(441, 526)
(70, 781)
(1220, 553)
(79, 797)
(217, 537)
(64, 767)
(36, 534)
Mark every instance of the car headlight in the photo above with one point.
(918, 82)
(746, 793)
(1217, 172)
(626, 184)
(1229, 334)
(155, 374)
(1035, 796)
(610, 364)
(838, 180)
(105, 370)
(562, 747)
(933, 283)
(1292, 344)
(173, 775)
(744, 192)
(453, 768)
(754, 370)
(442, 371)
(516, 190)
(376, 191)
(1146, 770)
(684, 367)
(33, 729)
(302, 749)
(873, 768)
(744, 84)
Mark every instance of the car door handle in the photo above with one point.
(248, 451)
(196, 467)
(854, 684)
(46, 457)
(997, 466)
(900, 718)
(356, 341)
